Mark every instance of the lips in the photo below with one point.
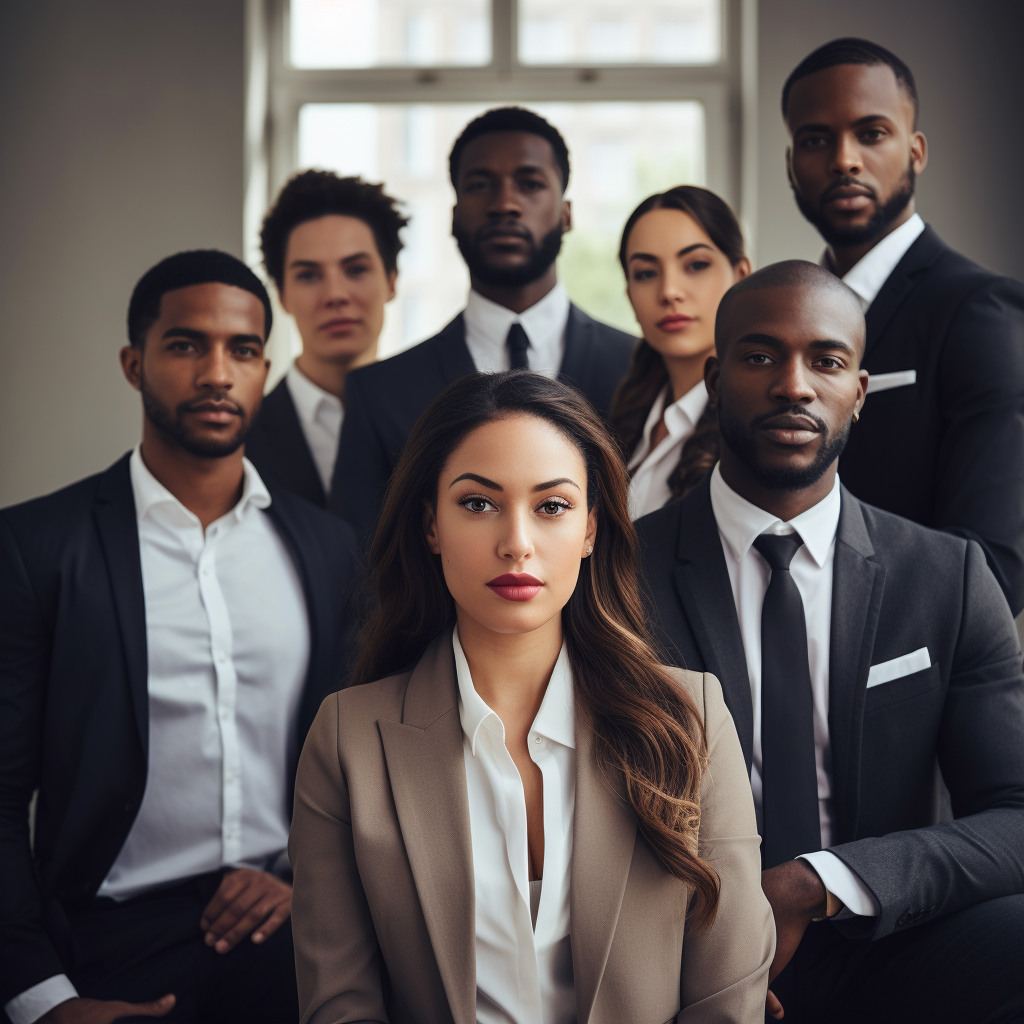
(791, 430)
(848, 197)
(516, 586)
(338, 325)
(676, 322)
(215, 412)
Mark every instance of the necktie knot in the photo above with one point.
(778, 549)
(517, 343)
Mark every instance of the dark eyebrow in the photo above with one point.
(193, 335)
(555, 483)
(859, 123)
(682, 252)
(491, 173)
(479, 479)
(316, 263)
(759, 339)
(825, 344)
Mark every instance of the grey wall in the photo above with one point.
(966, 59)
(121, 124)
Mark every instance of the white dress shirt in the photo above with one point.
(650, 469)
(523, 975)
(872, 270)
(739, 524)
(487, 327)
(228, 640)
(320, 416)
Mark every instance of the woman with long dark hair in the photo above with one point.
(681, 251)
(516, 814)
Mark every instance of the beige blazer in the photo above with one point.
(383, 909)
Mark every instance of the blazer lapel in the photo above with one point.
(857, 585)
(603, 836)
(452, 351)
(926, 249)
(702, 583)
(424, 755)
(118, 529)
(293, 455)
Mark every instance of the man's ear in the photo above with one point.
(392, 278)
(789, 168)
(430, 529)
(918, 151)
(567, 215)
(712, 368)
(131, 365)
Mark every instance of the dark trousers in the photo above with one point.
(143, 948)
(966, 968)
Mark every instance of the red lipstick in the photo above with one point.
(516, 586)
(675, 322)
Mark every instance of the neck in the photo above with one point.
(784, 505)
(330, 375)
(208, 488)
(511, 670)
(843, 258)
(685, 373)
(518, 298)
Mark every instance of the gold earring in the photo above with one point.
(856, 416)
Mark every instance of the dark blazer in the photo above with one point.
(278, 448)
(385, 399)
(947, 451)
(897, 587)
(73, 694)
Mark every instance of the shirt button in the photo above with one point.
(221, 657)
(537, 739)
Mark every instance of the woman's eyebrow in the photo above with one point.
(555, 483)
(480, 480)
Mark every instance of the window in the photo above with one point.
(647, 94)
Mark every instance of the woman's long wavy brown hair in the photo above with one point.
(647, 729)
(647, 376)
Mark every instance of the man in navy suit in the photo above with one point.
(857, 651)
(168, 629)
(510, 169)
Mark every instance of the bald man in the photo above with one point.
(856, 650)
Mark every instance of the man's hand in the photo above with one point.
(103, 1011)
(247, 901)
(797, 896)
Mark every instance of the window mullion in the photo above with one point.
(503, 36)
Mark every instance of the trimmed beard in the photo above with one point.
(740, 439)
(171, 423)
(537, 264)
(879, 224)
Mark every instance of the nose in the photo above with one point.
(516, 544)
(847, 159)
(337, 289)
(673, 287)
(791, 384)
(215, 370)
(505, 200)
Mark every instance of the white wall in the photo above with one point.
(121, 130)
(966, 59)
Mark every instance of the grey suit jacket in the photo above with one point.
(383, 907)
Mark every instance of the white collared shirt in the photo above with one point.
(650, 469)
(227, 638)
(739, 524)
(320, 416)
(523, 976)
(872, 270)
(487, 327)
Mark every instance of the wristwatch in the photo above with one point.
(833, 904)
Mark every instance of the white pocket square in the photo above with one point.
(887, 381)
(887, 671)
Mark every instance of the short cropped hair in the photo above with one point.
(182, 270)
(312, 194)
(511, 119)
(850, 50)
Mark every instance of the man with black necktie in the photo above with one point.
(942, 437)
(856, 651)
(509, 169)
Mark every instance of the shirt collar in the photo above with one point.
(543, 322)
(150, 493)
(680, 418)
(307, 396)
(555, 718)
(873, 269)
(741, 522)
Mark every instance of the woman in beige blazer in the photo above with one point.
(517, 814)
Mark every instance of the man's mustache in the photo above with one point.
(220, 404)
(790, 410)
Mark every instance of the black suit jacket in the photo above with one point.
(73, 694)
(948, 451)
(278, 448)
(384, 400)
(897, 587)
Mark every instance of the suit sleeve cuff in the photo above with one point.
(857, 899)
(39, 999)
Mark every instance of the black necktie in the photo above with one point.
(517, 343)
(790, 821)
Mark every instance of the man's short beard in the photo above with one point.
(171, 424)
(740, 439)
(537, 264)
(879, 224)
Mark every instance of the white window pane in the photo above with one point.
(390, 33)
(606, 32)
(619, 152)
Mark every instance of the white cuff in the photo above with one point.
(39, 999)
(844, 883)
